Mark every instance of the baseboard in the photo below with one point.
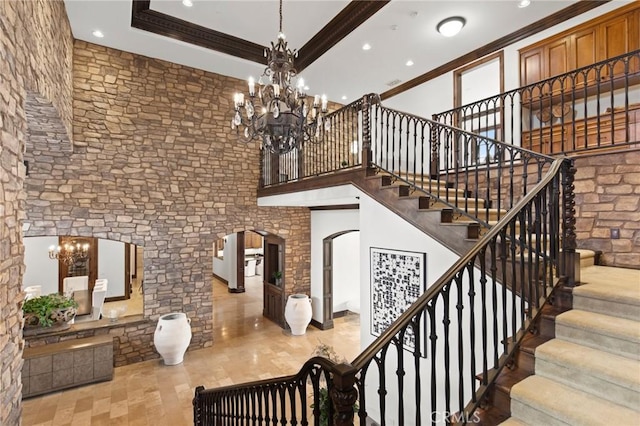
(219, 278)
(327, 325)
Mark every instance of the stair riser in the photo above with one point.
(501, 400)
(526, 361)
(608, 343)
(548, 327)
(620, 310)
(580, 380)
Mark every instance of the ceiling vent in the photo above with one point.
(393, 82)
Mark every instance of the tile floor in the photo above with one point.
(246, 347)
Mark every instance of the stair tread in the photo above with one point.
(512, 421)
(508, 378)
(585, 360)
(531, 342)
(620, 328)
(597, 285)
(569, 405)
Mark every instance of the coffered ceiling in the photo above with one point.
(328, 33)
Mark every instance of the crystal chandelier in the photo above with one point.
(284, 120)
(70, 253)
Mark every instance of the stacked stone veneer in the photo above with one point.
(608, 196)
(155, 164)
(607, 188)
(35, 63)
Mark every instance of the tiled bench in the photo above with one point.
(67, 364)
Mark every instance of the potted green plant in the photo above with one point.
(324, 400)
(48, 313)
(277, 277)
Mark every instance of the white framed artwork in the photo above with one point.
(398, 279)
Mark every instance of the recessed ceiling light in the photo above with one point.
(524, 3)
(366, 46)
(409, 63)
(344, 97)
(451, 26)
(187, 3)
(97, 33)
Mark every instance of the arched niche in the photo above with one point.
(120, 263)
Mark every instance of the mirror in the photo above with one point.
(116, 267)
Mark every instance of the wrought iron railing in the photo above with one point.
(470, 321)
(593, 107)
(338, 146)
(464, 329)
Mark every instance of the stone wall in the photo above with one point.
(607, 191)
(35, 62)
(608, 196)
(155, 164)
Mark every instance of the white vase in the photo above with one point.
(172, 337)
(298, 313)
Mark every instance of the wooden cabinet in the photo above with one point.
(252, 240)
(595, 132)
(609, 35)
(547, 140)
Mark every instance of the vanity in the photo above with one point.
(67, 364)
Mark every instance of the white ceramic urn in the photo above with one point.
(297, 313)
(172, 337)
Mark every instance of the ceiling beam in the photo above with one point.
(350, 18)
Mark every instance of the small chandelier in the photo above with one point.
(70, 253)
(285, 120)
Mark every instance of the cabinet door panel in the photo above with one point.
(615, 40)
(557, 57)
(585, 53)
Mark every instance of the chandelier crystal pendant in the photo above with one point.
(279, 113)
(70, 253)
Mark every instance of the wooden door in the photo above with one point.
(274, 292)
(327, 283)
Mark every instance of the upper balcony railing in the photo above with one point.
(592, 108)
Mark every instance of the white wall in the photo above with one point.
(111, 266)
(220, 267)
(323, 224)
(436, 95)
(40, 270)
(398, 234)
(346, 272)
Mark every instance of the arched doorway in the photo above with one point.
(328, 278)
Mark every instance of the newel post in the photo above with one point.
(343, 394)
(570, 259)
(367, 156)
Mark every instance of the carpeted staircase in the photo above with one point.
(589, 374)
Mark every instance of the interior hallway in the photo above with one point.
(246, 347)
